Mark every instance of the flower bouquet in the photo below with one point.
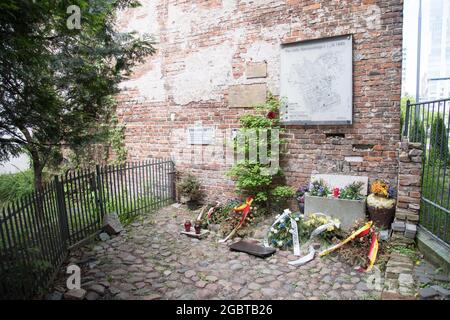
(381, 203)
(282, 233)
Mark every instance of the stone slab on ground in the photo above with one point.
(427, 293)
(111, 224)
(252, 248)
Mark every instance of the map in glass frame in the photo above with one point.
(317, 82)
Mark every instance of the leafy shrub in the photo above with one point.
(189, 187)
(20, 276)
(439, 139)
(281, 195)
(252, 178)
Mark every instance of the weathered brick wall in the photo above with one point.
(408, 191)
(205, 51)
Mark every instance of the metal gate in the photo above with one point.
(429, 123)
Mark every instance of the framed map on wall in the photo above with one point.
(317, 82)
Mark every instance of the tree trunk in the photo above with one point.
(37, 169)
(38, 184)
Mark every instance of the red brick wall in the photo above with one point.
(204, 47)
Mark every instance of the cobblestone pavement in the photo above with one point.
(152, 260)
(434, 283)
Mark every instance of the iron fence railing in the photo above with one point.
(428, 123)
(37, 231)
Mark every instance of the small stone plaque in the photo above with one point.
(247, 95)
(256, 70)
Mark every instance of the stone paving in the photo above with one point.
(152, 260)
(434, 283)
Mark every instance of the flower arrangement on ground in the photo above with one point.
(381, 203)
(382, 195)
(281, 234)
(225, 218)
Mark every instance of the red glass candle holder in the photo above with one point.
(198, 228)
(187, 226)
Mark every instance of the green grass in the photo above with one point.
(14, 186)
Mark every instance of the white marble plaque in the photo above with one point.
(200, 135)
(316, 81)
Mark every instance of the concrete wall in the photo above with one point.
(206, 52)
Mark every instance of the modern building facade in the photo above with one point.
(437, 73)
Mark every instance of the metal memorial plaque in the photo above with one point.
(316, 82)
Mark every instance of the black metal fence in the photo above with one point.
(429, 124)
(37, 231)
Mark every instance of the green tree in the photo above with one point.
(439, 139)
(58, 81)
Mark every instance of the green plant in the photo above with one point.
(280, 196)
(189, 187)
(417, 131)
(253, 176)
(319, 188)
(352, 191)
(15, 186)
(439, 139)
(21, 276)
(283, 193)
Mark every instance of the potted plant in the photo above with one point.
(189, 191)
(381, 203)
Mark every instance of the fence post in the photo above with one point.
(100, 190)
(62, 212)
(408, 107)
(172, 175)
